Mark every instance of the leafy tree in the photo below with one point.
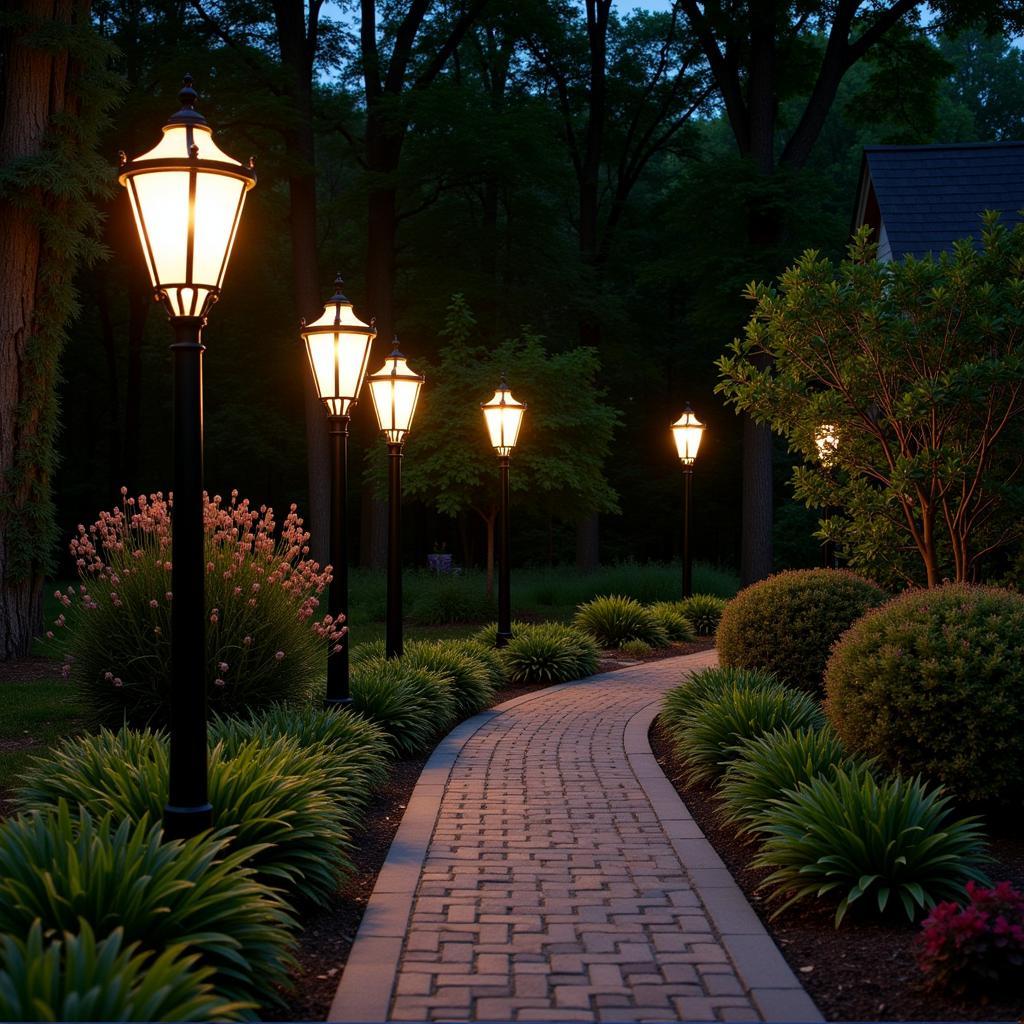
(912, 375)
(565, 439)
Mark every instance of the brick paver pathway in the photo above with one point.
(550, 889)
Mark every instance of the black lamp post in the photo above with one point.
(395, 390)
(504, 416)
(827, 442)
(187, 197)
(687, 432)
(338, 345)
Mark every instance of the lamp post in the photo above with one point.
(395, 390)
(503, 416)
(687, 432)
(338, 346)
(187, 197)
(827, 443)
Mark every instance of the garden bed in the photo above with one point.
(864, 970)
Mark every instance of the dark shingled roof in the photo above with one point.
(929, 196)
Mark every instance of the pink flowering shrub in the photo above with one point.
(977, 946)
(264, 639)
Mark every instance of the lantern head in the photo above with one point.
(395, 390)
(338, 345)
(186, 196)
(503, 416)
(687, 432)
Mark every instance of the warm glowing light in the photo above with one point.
(338, 345)
(395, 389)
(186, 196)
(827, 442)
(687, 432)
(504, 416)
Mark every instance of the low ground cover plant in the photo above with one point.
(931, 683)
(201, 896)
(614, 620)
(264, 639)
(877, 845)
(550, 653)
(976, 946)
(788, 623)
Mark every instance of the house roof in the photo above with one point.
(929, 196)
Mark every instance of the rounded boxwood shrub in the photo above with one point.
(874, 844)
(679, 704)
(933, 683)
(613, 620)
(78, 978)
(703, 611)
(264, 641)
(550, 653)
(278, 799)
(200, 895)
(788, 623)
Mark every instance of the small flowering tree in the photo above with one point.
(264, 639)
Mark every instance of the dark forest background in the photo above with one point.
(594, 193)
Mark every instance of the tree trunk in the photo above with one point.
(34, 91)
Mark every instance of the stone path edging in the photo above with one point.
(366, 987)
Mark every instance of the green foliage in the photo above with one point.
(263, 641)
(671, 617)
(680, 703)
(788, 623)
(550, 653)
(488, 636)
(468, 676)
(450, 599)
(768, 764)
(200, 896)
(281, 801)
(703, 611)
(488, 655)
(612, 620)
(874, 844)
(707, 742)
(915, 367)
(931, 683)
(636, 648)
(76, 978)
(411, 705)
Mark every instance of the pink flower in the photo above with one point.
(247, 641)
(223, 666)
(279, 656)
(154, 603)
(219, 682)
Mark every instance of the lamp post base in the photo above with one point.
(185, 822)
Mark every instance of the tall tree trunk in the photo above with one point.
(35, 80)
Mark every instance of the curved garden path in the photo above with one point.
(546, 869)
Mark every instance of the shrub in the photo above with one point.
(873, 843)
(468, 675)
(669, 615)
(979, 946)
(680, 703)
(368, 650)
(488, 636)
(448, 599)
(263, 640)
(489, 655)
(707, 743)
(78, 978)
(767, 765)
(550, 653)
(279, 800)
(703, 612)
(198, 895)
(613, 620)
(411, 705)
(636, 648)
(789, 622)
(932, 684)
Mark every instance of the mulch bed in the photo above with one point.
(865, 970)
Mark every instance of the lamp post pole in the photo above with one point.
(337, 596)
(504, 569)
(393, 644)
(687, 555)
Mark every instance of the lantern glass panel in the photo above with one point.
(503, 416)
(395, 390)
(687, 432)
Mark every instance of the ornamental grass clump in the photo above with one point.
(680, 702)
(76, 977)
(671, 617)
(767, 765)
(977, 947)
(703, 612)
(201, 895)
(488, 635)
(931, 683)
(281, 801)
(550, 653)
(877, 845)
(707, 742)
(613, 620)
(469, 676)
(264, 640)
(788, 623)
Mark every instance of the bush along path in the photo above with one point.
(546, 870)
